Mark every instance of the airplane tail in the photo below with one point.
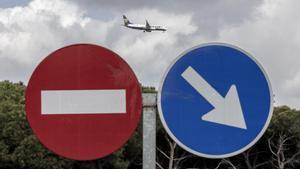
(147, 25)
(126, 21)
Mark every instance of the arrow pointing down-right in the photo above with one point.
(227, 111)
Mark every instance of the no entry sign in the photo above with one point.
(83, 102)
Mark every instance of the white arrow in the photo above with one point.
(227, 111)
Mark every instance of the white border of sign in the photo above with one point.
(209, 155)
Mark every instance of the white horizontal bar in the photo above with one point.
(83, 101)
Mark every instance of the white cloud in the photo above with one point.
(273, 37)
(68, 14)
(150, 53)
(271, 32)
(29, 33)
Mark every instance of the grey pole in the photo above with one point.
(149, 130)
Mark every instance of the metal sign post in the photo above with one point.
(149, 130)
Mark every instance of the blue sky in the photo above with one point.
(12, 3)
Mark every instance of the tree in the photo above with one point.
(19, 148)
(284, 138)
(252, 158)
(278, 148)
(169, 154)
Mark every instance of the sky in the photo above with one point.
(268, 29)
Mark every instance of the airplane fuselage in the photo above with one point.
(145, 28)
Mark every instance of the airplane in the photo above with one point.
(145, 28)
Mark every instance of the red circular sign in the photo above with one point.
(83, 102)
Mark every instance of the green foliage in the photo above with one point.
(19, 148)
(285, 123)
(285, 120)
(133, 149)
(31, 153)
(115, 161)
(148, 89)
(13, 126)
